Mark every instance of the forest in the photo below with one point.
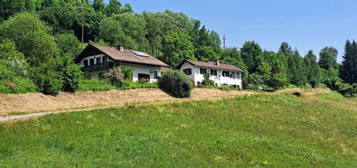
(39, 40)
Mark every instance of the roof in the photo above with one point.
(129, 56)
(213, 65)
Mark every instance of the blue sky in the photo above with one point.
(304, 24)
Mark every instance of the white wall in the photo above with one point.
(143, 69)
(219, 80)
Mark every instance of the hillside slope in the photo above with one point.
(250, 131)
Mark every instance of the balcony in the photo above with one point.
(98, 67)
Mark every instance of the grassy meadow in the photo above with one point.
(252, 131)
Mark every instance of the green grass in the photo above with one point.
(256, 131)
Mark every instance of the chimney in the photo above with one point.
(217, 63)
(121, 48)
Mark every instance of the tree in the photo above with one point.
(127, 9)
(177, 47)
(250, 53)
(312, 69)
(113, 8)
(68, 44)
(31, 38)
(328, 58)
(118, 30)
(349, 65)
(98, 5)
(12, 59)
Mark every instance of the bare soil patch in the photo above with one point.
(31, 103)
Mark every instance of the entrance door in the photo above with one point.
(144, 78)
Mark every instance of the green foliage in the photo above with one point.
(47, 80)
(118, 30)
(128, 73)
(178, 46)
(18, 86)
(250, 53)
(31, 37)
(312, 69)
(12, 59)
(95, 85)
(113, 8)
(328, 58)
(349, 65)
(68, 44)
(71, 74)
(347, 90)
(176, 83)
(207, 81)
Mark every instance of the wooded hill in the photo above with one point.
(40, 38)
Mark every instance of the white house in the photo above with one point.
(96, 60)
(221, 74)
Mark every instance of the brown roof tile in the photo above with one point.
(214, 65)
(129, 56)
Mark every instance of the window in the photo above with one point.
(99, 60)
(104, 59)
(91, 62)
(155, 75)
(144, 78)
(188, 71)
(85, 62)
(225, 73)
(213, 72)
(203, 71)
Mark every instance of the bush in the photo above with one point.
(71, 74)
(48, 81)
(115, 76)
(176, 84)
(347, 90)
(18, 86)
(128, 73)
(207, 81)
(95, 85)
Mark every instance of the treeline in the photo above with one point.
(40, 38)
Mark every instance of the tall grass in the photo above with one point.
(256, 131)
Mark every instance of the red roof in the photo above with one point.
(129, 56)
(214, 65)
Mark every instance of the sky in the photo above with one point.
(304, 24)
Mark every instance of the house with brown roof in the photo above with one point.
(221, 74)
(96, 60)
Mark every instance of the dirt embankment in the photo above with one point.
(36, 102)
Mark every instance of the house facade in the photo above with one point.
(96, 60)
(221, 74)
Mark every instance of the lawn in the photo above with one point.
(252, 131)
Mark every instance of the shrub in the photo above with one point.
(176, 84)
(48, 81)
(347, 90)
(207, 81)
(128, 73)
(18, 85)
(71, 74)
(95, 85)
(115, 76)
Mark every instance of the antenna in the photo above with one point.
(224, 41)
